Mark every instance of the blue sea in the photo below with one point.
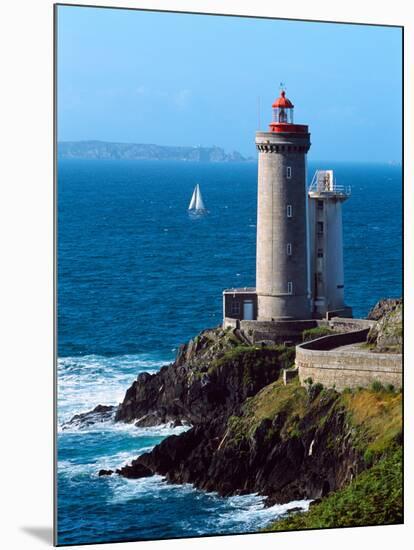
(137, 277)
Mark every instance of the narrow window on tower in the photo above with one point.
(288, 172)
(289, 210)
(320, 253)
(290, 287)
(289, 249)
(320, 229)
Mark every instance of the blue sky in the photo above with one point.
(179, 79)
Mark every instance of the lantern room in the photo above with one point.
(283, 109)
(283, 117)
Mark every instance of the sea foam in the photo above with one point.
(89, 380)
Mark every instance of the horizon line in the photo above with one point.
(252, 157)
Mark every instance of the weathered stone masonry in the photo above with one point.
(320, 361)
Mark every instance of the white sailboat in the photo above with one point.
(196, 205)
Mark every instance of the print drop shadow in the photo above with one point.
(45, 534)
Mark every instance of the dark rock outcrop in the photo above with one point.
(285, 455)
(251, 433)
(212, 376)
(135, 471)
(101, 413)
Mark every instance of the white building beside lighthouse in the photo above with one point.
(325, 200)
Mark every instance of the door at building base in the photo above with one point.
(248, 310)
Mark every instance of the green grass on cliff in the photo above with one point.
(269, 402)
(377, 418)
(316, 332)
(374, 424)
(373, 498)
(255, 356)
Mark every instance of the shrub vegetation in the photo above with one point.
(373, 498)
(317, 332)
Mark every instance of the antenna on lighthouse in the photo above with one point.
(258, 112)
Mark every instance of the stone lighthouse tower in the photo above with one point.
(282, 274)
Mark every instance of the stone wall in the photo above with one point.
(339, 324)
(320, 361)
(276, 331)
(345, 324)
(230, 322)
(335, 340)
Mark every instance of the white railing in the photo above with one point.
(323, 181)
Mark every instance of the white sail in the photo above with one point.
(199, 200)
(197, 204)
(193, 199)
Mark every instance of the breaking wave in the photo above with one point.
(89, 380)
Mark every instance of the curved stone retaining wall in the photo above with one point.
(335, 340)
(324, 363)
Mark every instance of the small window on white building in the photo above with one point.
(320, 252)
(289, 249)
(290, 287)
(289, 210)
(235, 308)
(288, 172)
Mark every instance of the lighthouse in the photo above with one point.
(282, 268)
(299, 249)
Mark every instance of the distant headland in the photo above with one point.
(101, 150)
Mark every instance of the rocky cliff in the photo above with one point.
(287, 443)
(387, 334)
(251, 433)
(213, 374)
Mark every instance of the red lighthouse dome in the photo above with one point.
(283, 102)
(283, 117)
